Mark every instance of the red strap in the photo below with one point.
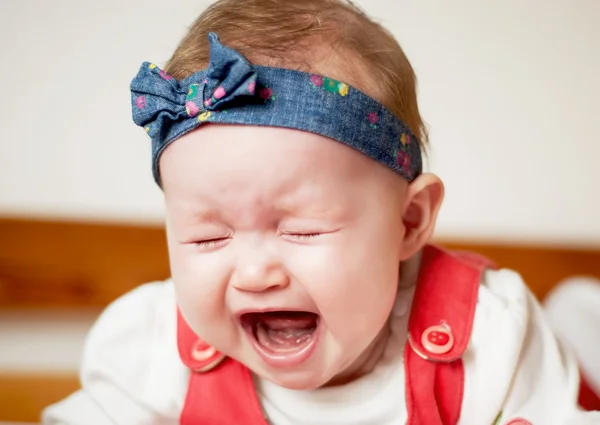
(222, 396)
(449, 390)
(434, 392)
(588, 399)
(447, 292)
(225, 396)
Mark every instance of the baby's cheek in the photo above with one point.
(197, 275)
(205, 314)
(200, 292)
(358, 307)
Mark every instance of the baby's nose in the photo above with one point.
(260, 277)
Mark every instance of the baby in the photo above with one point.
(287, 139)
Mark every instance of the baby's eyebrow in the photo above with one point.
(312, 209)
(207, 215)
(194, 216)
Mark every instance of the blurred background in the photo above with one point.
(509, 89)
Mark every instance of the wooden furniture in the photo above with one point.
(60, 265)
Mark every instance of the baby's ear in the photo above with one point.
(423, 201)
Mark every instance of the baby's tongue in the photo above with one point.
(285, 331)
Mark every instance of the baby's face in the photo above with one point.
(285, 247)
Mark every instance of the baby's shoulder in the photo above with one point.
(132, 347)
(145, 306)
(512, 350)
(505, 309)
(503, 290)
(131, 371)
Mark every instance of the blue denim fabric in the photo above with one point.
(232, 91)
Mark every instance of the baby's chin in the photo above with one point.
(308, 377)
(304, 380)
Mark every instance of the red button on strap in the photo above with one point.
(437, 339)
(206, 356)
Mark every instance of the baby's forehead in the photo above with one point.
(219, 158)
(233, 147)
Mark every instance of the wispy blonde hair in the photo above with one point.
(330, 37)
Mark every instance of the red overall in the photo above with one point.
(439, 331)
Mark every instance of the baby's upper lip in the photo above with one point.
(238, 314)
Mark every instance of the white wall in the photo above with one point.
(510, 90)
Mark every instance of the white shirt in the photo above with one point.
(131, 372)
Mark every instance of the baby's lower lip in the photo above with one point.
(292, 355)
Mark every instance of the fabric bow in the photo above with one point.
(158, 99)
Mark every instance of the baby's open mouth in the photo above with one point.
(282, 337)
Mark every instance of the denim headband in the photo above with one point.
(232, 91)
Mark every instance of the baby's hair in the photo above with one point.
(329, 37)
